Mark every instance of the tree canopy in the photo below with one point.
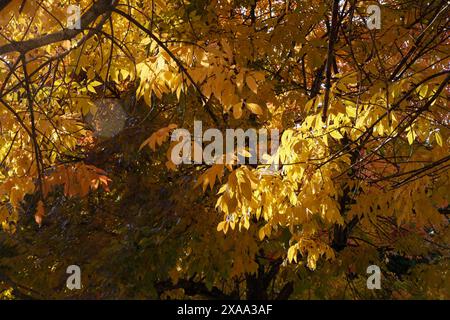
(86, 177)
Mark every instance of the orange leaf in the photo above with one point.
(40, 212)
(251, 83)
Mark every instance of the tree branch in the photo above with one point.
(332, 39)
(97, 9)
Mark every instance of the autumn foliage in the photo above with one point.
(363, 173)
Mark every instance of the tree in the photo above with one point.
(363, 159)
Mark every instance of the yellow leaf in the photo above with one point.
(237, 110)
(351, 111)
(438, 138)
(91, 73)
(336, 134)
(261, 233)
(4, 213)
(221, 226)
(158, 138)
(411, 136)
(209, 176)
(146, 41)
(226, 47)
(423, 90)
(95, 83)
(91, 89)
(312, 259)
(244, 152)
(309, 104)
(255, 108)
(225, 227)
(292, 252)
(240, 80)
(251, 83)
(258, 75)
